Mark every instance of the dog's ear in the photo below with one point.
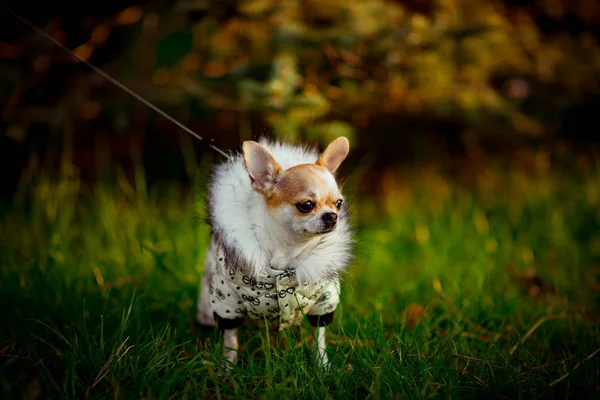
(334, 154)
(261, 166)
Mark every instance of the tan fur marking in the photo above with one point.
(334, 154)
(296, 182)
(261, 166)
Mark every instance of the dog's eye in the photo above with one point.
(306, 206)
(339, 203)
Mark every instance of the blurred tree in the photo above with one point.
(316, 68)
(494, 70)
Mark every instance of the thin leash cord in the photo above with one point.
(113, 80)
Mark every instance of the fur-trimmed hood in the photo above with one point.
(236, 214)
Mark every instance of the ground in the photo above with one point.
(486, 288)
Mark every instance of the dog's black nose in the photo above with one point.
(329, 218)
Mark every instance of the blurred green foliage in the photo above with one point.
(314, 70)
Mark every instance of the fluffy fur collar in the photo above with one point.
(237, 215)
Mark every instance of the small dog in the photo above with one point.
(280, 237)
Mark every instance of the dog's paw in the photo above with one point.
(207, 319)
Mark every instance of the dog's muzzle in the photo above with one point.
(329, 221)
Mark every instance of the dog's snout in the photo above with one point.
(330, 218)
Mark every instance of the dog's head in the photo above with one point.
(305, 199)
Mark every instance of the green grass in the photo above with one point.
(98, 289)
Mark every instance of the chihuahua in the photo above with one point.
(280, 237)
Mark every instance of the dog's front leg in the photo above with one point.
(319, 324)
(229, 327)
(320, 347)
(230, 344)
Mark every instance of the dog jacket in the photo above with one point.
(274, 296)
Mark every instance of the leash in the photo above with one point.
(113, 80)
